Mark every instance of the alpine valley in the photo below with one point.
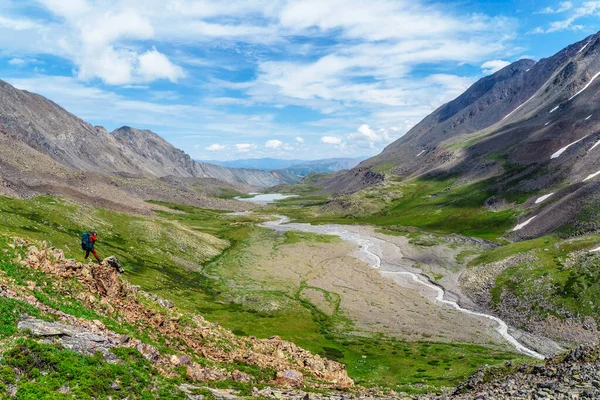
(463, 262)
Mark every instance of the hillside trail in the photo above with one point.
(390, 267)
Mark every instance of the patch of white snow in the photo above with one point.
(586, 86)
(513, 111)
(592, 176)
(594, 146)
(583, 48)
(420, 153)
(595, 250)
(554, 109)
(589, 117)
(543, 198)
(559, 153)
(547, 123)
(522, 225)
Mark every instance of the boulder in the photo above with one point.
(181, 360)
(149, 352)
(72, 337)
(114, 262)
(289, 378)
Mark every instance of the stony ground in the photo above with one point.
(574, 375)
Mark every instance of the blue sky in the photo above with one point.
(267, 78)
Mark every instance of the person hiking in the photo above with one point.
(88, 240)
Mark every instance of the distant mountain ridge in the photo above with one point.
(296, 167)
(46, 127)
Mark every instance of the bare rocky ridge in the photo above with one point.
(543, 117)
(37, 122)
(25, 172)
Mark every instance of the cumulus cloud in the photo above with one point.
(215, 147)
(331, 140)
(154, 65)
(273, 144)
(365, 135)
(100, 47)
(299, 139)
(490, 67)
(245, 147)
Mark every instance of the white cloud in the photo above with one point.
(331, 140)
(16, 61)
(586, 9)
(364, 135)
(490, 67)
(273, 144)
(154, 65)
(299, 139)
(66, 8)
(98, 38)
(215, 147)
(562, 7)
(18, 24)
(245, 147)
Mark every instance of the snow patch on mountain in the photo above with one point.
(516, 109)
(559, 152)
(543, 198)
(524, 224)
(586, 86)
(592, 176)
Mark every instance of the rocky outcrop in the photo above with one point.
(289, 378)
(575, 375)
(76, 338)
(107, 292)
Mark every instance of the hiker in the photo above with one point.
(88, 240)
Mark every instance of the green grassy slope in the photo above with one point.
(438, 205)
(563, 280)
(190, 255)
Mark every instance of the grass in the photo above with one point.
(562, 280)
(293, 237)
(10, 314)
(42, 370)
(195, 257)
(436, 205)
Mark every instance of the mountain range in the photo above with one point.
(44, 149)
(296, 167)
(49, 129)
(533, 126)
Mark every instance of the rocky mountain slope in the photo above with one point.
(26, 172)
(533, 126)
(44, 126)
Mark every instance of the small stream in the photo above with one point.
(367, 242)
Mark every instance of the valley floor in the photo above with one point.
(307, 288)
